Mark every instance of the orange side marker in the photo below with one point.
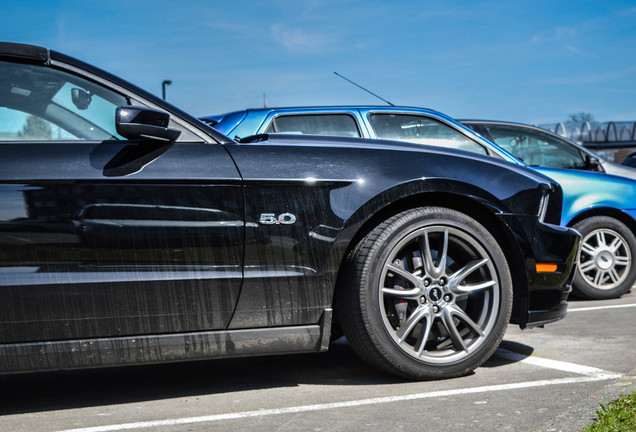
(546, 268)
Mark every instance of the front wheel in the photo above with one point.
(605, 262)
(427, 294)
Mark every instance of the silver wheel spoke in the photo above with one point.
(622, 261)
(598, 278)
(600, 238)
(422, 312)
(458, 277)
(613, 275)
(429, 264)
(616, 244)
(466, 289)
(456, 311)
(587, 266)
(449, 324)
(421, 343)
(405, 275)
(406, 293)
(588, 249)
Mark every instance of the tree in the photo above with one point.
(580, 118)
(36, 128)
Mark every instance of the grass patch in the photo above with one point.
(617, 416)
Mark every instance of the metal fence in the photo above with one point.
(606, 132)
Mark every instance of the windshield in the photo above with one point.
(536, 148)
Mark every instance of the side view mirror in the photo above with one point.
(630, 160)
(592, 163)
(139, 123)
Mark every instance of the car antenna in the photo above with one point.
(368, 91)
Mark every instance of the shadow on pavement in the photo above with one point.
(49, 391)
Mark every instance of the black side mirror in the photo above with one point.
(139, 123)
(630, 160)
(592, 163)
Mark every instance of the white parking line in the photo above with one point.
(591, 375)
(558, 365)
(593, 308)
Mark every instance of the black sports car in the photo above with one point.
(131, 232)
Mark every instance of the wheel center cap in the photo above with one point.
(604, 260)
(435, 294)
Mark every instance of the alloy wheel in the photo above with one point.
(605, 259)
(439, 294)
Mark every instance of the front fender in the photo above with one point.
(585, 191)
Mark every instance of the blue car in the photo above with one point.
(600, 205)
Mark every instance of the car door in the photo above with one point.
(104, 237)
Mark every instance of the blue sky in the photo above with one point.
(533, 61)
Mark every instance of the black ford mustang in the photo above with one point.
(130, 233)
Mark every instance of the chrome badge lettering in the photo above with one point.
(272, 219)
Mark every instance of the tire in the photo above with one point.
(395, 294)
(606, 259)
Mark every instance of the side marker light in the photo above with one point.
(546, 268)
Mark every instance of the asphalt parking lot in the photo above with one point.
(550, 379)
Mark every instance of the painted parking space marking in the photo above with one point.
(589, 374)
(586, 374)
(557, 365)
(594, 308)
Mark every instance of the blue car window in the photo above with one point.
(421, 130)
(41, 103)
(342, 125)
(536, 148)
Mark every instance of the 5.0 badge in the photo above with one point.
(272, 219)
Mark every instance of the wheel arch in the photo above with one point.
(605, 211)
(471, 206)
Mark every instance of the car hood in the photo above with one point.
(619, 170)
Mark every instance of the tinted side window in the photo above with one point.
(315, 124)
(41, 103)
(421, 130)
(536, 148)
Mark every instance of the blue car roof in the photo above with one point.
(243, 123)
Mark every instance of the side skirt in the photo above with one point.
(89, 353)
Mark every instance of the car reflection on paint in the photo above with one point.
(105, 224)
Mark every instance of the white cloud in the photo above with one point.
(578, 52)
(591, 79)
(230, 26)
(558, 34)
(629, 11)
(298, 40)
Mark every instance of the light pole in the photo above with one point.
(163, 87)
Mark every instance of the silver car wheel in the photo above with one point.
(439, 294)
(605, 259)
